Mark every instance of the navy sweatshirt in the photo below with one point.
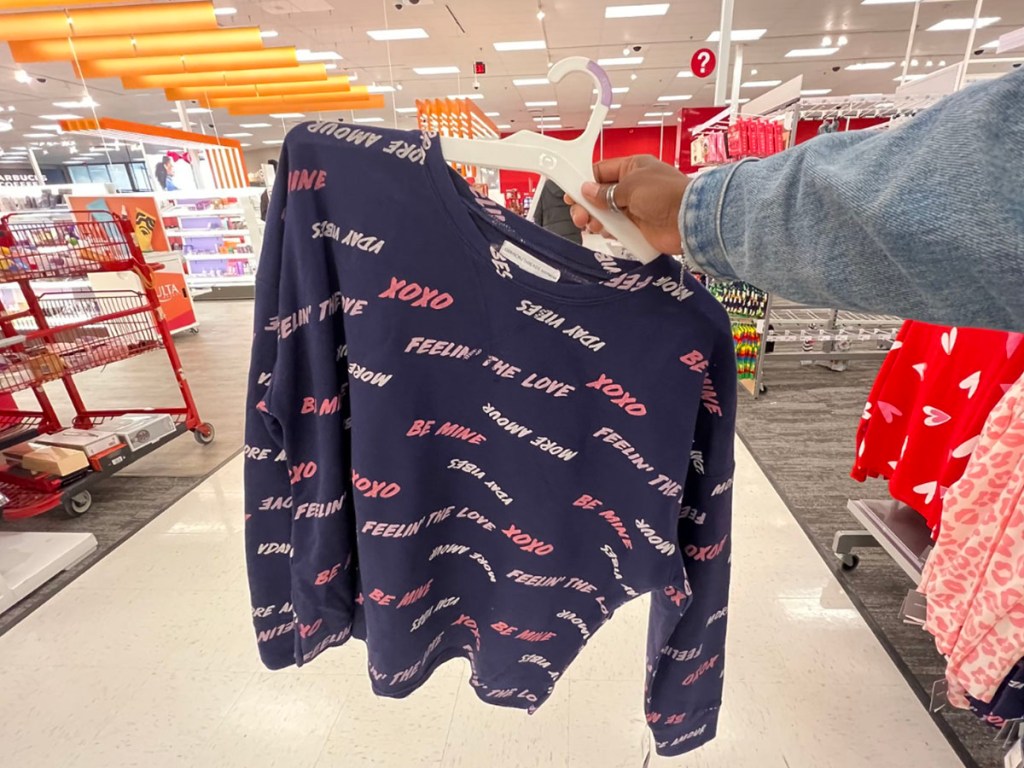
(467, 437)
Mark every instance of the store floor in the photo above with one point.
(148, 659)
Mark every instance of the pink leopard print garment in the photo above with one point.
(974, 578)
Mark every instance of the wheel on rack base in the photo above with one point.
(205, 434)
(849, 561)
(193, 331)
(78, 505)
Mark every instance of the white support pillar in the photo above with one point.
(962, 79)
(35, 165)
(724, 48)
(737, 78)
(910, 41)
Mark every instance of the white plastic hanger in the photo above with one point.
(568, 163)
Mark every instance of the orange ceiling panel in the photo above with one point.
(24, 5)
(305, 98)
(336, 84)
(230, 77)
(189, 63)
(124, 130)
(266, 106)
(119, 20)
(126, 46)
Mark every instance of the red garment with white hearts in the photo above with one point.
(928, 406)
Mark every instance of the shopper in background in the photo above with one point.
(265, 197)
(925, 220)
(553, 213)
(165, 173)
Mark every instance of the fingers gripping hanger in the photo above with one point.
(568, 163)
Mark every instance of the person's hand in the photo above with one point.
(647, 190)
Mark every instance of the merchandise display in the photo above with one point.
(472, 455)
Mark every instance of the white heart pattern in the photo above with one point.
(949, 340)
(906, 442)
(867, 412)
(921, 368)
(888, 411)
(935, 417)
(928, 490)
(894, 464)
(861, 448)
(966, 449)
(895, 345)
(971, 384)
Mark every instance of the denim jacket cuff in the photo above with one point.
(700, 220)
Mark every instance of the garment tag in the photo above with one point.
(939, 700)
(915, 608)
(529, 262)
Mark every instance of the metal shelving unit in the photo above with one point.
(899, 530)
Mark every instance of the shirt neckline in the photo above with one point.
(570, 256)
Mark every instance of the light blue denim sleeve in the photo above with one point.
(924, 221)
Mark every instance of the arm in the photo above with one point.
(925, 220)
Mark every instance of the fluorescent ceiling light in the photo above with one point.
(236, 135)
(61, 116)
(608, 122)
(991, 44)
(225, 11)
(333, 66)
(255, 125)
(658, 114)
(866, 65)
(651, 122)
(196, 110)
(268, 33)
(173, 124)
(38, 135)
(622, 61)
(73, 162)
(959, 25)
(682, 97)
(470, 96)
(552, 119)
(245, 144)
(367, 119)
(84, 103)
(908, 78)
(544, 127)
(521, 45)
(286, 115)
(492, 114)
(380, 89)
(816, 92)
(738, 35)
(504, 127)
(810, 52)
(414, 33)
(761, 83)
(521, 81)
(622, 89)
(273, 141)
(436, 70)
(406, 110)
(635, 11)
(615, 106)
(304, 54)
(685, 73)
(542, 104)
(46, 127)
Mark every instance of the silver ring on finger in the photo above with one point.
(610, 199)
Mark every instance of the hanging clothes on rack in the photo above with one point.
(927, 407)
(973, 579)
(465, 439)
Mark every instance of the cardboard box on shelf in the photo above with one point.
(138, 430)
(90, 442)
(45, 365)
(54, 460)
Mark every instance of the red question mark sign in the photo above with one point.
(703, 62)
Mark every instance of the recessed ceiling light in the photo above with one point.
(61, 116)
(913, 62)
(868, 65)
(521, 81)
(634, 11)
(929, 63)
(551, 119)
(622, 61)
(380, 89)
(842, 41)
(681, 97)
(436, 70)
(225, 11)
(273, 141)
(816, 92)
(470, 96)
(24, 77)
(406, 110)
(255, 125)
(414, 33)
(738, 35)
(304, 54)
(236, 135)
(286, 115)
(542, 104)
(959, 25)
(685, 73)
(268, 33)
(521, 45)
(84, 103)
(367, 119)
(942, 63)
(826, 42)
(810, 52)
(761, 84)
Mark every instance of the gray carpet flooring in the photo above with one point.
(801, 432)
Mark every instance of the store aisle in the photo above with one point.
(148, 660)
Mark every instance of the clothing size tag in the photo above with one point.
(529, 262)
(915, 608)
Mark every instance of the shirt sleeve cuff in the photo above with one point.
(692, 733)
(700, 220)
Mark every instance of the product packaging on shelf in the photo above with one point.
(51, 459)
(90, 442)
(45, 365)
(110, 459)
(141, 429)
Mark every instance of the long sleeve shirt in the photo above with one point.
(467, 437)
(925, 220)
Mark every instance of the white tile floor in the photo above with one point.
(148, 660)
